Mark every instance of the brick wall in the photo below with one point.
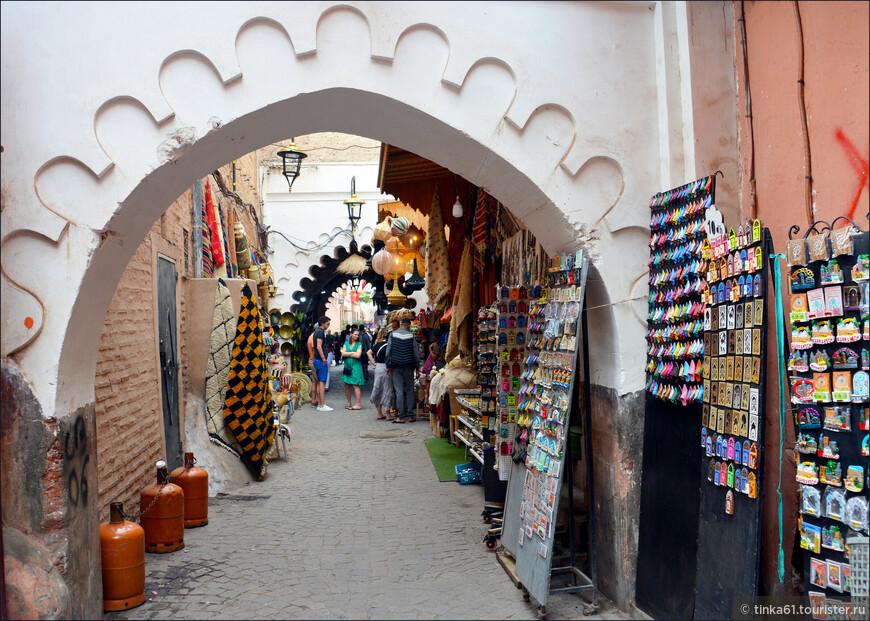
(129, 427)
(129, 419)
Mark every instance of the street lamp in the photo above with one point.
(291, 163)
(354, 206)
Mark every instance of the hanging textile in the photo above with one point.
(437, 266)
(221, 222)
(207, 265)
(217, 252)
(459, 339)
(248, 403)
(232, 265)
(223, 331)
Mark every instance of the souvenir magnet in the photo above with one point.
(856, 513)
(835, 575)
(860, 387)
(747, 370)
(753, 431)
(756, 341)
(802, 280)
(729, 502)
(841, 241)
(833, 301)
(744, 405)
(756, 286)
(854, 481)
(818, 247)
(799, 308)
(821, 387)
(738, 369)
(758, 319)
(731, 317)
(747, 312)
(753, 485)
(797, 252)
(810, 536)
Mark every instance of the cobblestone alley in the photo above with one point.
(347, 528)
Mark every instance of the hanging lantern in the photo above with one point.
(382, 262)
(291, 162)
(400, 266)
(415, 282)
(410, 257)
(382, 230)
(396, 297)
(392, 245)
(399, 226)
(413, 239)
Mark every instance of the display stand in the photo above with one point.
(828, 373)
(535, 483)
(732, 419)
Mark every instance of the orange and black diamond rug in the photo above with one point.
(248, 404)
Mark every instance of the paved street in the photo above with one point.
(348, 527)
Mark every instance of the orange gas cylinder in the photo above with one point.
(162, 507)
(122, 549)
(194, 481)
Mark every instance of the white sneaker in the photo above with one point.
(324, 408)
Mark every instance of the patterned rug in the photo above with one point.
(248, 404)
(437, 263)
(223, 331)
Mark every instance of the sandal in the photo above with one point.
(381, 418)
(356, 407)
(412, 420)
(347, 407)
(401, 421)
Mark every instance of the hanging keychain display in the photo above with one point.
(828, 373)
(678, 275)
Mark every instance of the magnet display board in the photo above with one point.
(533, 552)
(732, 429)
(832, 430)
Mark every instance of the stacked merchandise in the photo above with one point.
(513, 336)
(544, 397)
(828, 368)
(732, 370)
(676, 281)
(487, 358)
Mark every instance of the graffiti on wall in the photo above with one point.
(861, 167)
(77, 457)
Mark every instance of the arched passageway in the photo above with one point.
(87, 172)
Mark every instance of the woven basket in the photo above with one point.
(304, 391)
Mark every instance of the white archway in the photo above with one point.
(571, 114)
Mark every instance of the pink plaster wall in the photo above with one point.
(836, 51)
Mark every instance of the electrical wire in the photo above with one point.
(319, 246)
(353, 146)
(808, 161)
(753, 198)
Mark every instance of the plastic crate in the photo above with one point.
(469, 473)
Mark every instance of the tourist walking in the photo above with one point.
(403, 365)
(352, 374)
(320, 366)
(383, 395)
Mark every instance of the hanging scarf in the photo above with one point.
(437, 266)
(207, 265)
(217, 252)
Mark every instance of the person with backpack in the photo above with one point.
(403, 366)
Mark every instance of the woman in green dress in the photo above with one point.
(352, 375)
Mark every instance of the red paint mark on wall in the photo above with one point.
(860, 165)
(28, 322)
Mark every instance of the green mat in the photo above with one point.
(445, 457)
